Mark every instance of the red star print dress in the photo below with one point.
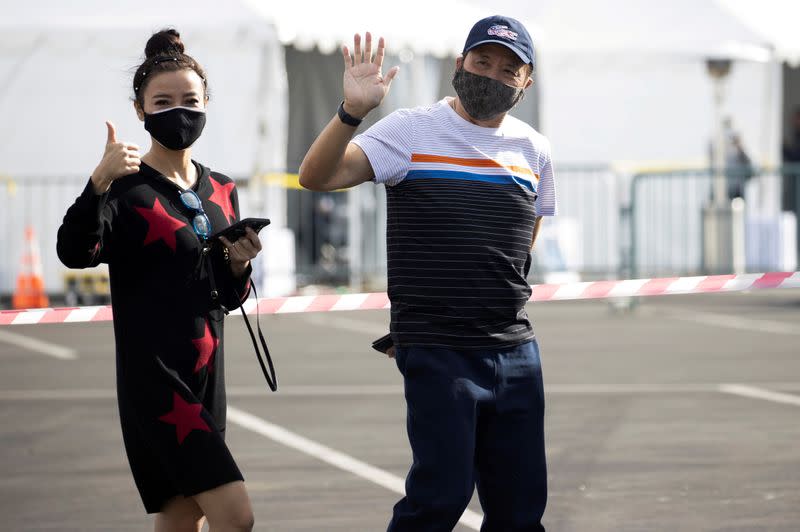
(168, 324)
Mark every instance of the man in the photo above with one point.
(738, 167)
(467, 186)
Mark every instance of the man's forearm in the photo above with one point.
(330, 164)
(320, 165)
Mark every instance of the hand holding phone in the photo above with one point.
(239, 229)
(241, 243)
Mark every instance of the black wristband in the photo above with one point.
(348, 119)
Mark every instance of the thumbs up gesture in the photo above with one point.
(120, 159)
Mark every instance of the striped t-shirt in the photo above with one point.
(461, 206)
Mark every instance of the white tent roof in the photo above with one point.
(694, 28)
(422, 26)
(777, 20)
(740, 29)
(93, 15)
(440, 31)
(65, 67)
(70, 63)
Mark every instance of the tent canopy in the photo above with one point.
(96, 15)
(65, 68)
(305, 24)
(695, 28)
(776, 20)
(70, 63)
(421, 26)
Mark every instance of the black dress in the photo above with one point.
(169, 301)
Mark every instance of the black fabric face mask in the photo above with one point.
(484, 98)
(176, 128)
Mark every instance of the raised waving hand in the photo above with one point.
(365, 86)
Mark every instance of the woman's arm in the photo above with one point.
(85, 234)
(84, 237)
(233, 262)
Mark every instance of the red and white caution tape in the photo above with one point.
(541, 292)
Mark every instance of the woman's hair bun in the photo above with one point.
(165, 42)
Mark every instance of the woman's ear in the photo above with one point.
(139, 110)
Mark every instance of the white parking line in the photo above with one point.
(375, 390)
(735, 322)
(332, 457)
(77, 394)
(760, 393)
(67, 394)
(40, 346)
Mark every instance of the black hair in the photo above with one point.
(164, 52)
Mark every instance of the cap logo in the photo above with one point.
(502, 32)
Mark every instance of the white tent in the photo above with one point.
(419, 26)
(65, 67)
(775, 20)
(625, 80)
(621, 80)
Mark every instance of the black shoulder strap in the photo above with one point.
(272, 379)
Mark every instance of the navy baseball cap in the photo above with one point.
(502, 30)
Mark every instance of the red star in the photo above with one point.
(222, 197)
(185, 416)
(161, 226)
(206, 347)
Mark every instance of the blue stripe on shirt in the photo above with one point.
(467, 176)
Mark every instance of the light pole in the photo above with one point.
(719, 69)
(717, 216)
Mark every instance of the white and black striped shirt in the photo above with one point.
(462, 200)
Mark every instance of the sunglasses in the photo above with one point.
(200, 222)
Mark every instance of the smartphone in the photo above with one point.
(383, 344)
(237, 230)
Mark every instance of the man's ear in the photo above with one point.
(139, 110)
(529, 82)
(459, 61)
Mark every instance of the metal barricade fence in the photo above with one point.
(39, 203)
(659, 233)
(323, 224)
(589, 200)
(665, 227)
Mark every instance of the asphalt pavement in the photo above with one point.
(681, 414)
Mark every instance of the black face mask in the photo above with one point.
(484, 98)
(176, 128)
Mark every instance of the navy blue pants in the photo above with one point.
(475, 418)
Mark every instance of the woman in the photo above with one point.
(149, 219)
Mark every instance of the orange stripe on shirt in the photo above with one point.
(476, 163)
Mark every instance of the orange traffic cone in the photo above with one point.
(30, 282)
